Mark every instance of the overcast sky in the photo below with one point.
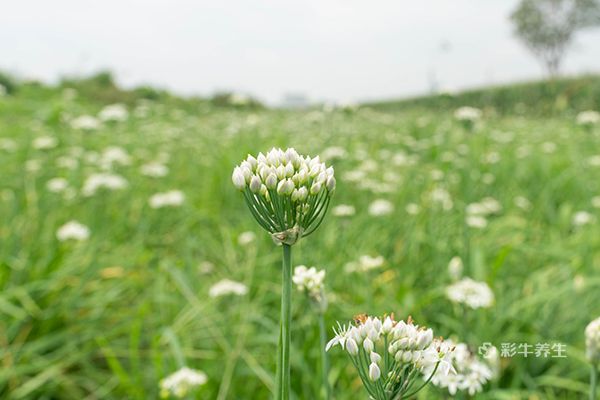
(343, 50)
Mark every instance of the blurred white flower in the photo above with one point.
(365, 263)
(470, 114)
(57, 185)
(246, 238)
(309, 280)
(412, 208)
(114, 113)
(8, 145)
(522, 202)
(471, 293)
(455, 267)
(332, 153)
(45, 142)
(172, 198)
(67, 162)
(343, 210)
(72, 230)
(381, 207)
(441, 197)
(476, 221)
(582, 218)
(226, 287)
(103, 181)
(180, 383)
(588, 118)
(154, 170)
(206, 267)
(592, 341)
(33, 165)
(114, 155)
(594, 161)
(85, 123)
(486, 206)
(549, 147)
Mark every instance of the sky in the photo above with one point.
(326, 50)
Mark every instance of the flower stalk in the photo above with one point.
(288, 195)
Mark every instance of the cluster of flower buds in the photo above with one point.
(388, 354)
(310, 280)
(288, 194)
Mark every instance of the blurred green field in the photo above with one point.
(110, 316)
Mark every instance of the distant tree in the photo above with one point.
(547, 27)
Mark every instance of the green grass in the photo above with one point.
(110, 316)
(541, 98)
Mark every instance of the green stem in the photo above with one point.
(283, 365)
(593, 382)
(324, 358)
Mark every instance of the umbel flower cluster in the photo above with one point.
(287, 193)
(309, 280)
(471, 373)
(390, 355)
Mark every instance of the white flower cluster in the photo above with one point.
(588, 118)
(114, 113)
(96, 182)
(468, 114)
(471, 293)
(73, 230)
(172, 198)
(365, 263)
(387, 352)
(381, 207)
(477, 212)
(44, 143)
(309, 280)
(592, 341)
(470, 373)
(288, 194)
(85, 123)
(180, 383)
(226, 287)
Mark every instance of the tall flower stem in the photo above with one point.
(324, 358)
(593, 382)
(283, 365)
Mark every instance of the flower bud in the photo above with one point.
(374, 372)
(247, 174)
(285, 187)
(271, 181)
(330, 184)
(238, 179)
(424, 339)
(302, 194)
(368, 345)
(255, 184)
(289, 170)
(388, 324)
(375, 358)
(253, 162)
(351, 347)
(263, 191)
(316, 188)
(280, 171)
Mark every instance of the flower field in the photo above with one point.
(127, 254)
